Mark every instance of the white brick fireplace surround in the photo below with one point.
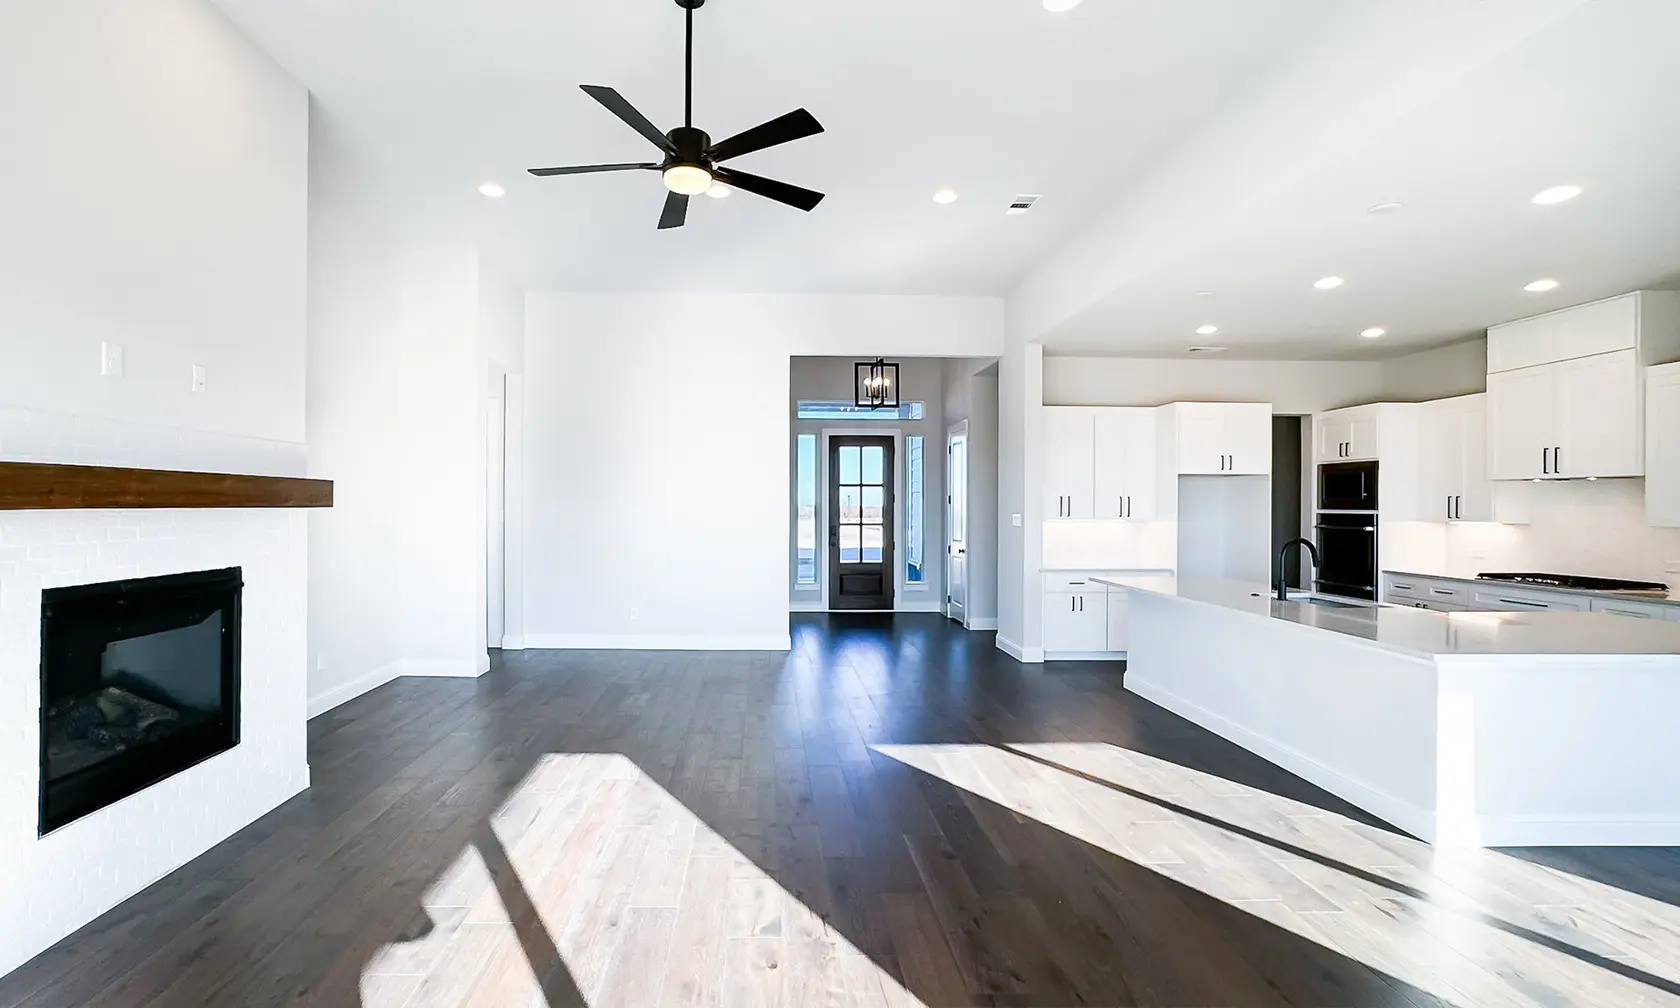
(50, 886)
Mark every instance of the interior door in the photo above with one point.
(860, 528)
(956, 519)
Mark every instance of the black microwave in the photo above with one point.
(1347, 486)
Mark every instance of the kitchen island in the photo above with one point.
(1475, 728)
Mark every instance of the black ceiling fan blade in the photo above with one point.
(616, 104)
(676, 212)
(796, 125)
(586, 169)
(781, 192)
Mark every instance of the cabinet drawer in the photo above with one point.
(1404, 587)
(1427, 590)
(1433, 606)
(1629, 607)
(1063, 583)
(1507, 600)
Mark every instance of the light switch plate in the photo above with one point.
(111, 360)
(1015, 520)
(198, 377)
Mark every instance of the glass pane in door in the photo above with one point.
(874, 539)
(874, 465)
(851, 464)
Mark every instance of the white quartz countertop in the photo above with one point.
(1672, 598)
(1426, 634)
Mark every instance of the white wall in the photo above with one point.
(396, 419)
(657, 439)
(921, 379)
(153, 194)
(1292, 387)
(1459, 369)
(1020, 477)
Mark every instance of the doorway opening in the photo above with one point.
(956, 521)
(860, 531)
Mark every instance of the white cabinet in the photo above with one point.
(1662, 446)
(1498, 599)
(1452, 460)
(1223, 439)
(1566, 391)
(1075, 617)
(1069, 454)
(1567, 419)
(1125, 464)
(1348, 435)
(1099, 462)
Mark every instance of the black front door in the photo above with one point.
(860, 526)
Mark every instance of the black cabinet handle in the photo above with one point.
(1557, 460)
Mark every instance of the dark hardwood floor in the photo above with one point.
(894, 814)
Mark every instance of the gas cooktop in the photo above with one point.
(1578, 583)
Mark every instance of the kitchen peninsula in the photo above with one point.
(1465, 729)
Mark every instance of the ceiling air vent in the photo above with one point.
(1207, 349)
(1022, 204)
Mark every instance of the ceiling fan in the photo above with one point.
(691, 164)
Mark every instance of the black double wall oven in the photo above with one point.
(1347, 530)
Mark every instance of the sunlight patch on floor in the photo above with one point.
(592, 881)
(1473, 927)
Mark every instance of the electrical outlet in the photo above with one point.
(198, 377)
(320, 663)
(111, 360)
(635, 614)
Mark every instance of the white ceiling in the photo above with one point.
(1181, 145)
(991, 97)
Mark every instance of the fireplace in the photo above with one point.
(139, 681)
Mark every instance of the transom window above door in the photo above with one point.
(839, 409)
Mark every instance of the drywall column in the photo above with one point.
(1020, 477)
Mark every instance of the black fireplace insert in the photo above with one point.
(139, 681)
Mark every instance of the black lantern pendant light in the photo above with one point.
(877, 384)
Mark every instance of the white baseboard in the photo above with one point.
(807, 605)
(918, 605)
(510, 642)
(1026, 656)
(444, 668)
(1113, 656)
(981, 623)
(349, 691)
(658, 642)
(1419, 822)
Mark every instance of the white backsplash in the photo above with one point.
(1110, 545)
(1576, 527)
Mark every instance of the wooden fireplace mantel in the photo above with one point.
(32, 486)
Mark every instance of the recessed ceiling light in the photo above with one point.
(1328, 283)
(1557, 194)
(1541, 286)
(1206, 294)
(1058, 6)
(1384, 208)
(1374, 332)
(945, 196)
(493, 190)
(718, 191)
(1207, 330)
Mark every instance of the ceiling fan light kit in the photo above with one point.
(692, 161)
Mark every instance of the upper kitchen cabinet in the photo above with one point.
(1126, 475)
(1219, 439)
(1566, 390)
(1099, 462)
(1662, 446)
(1069, 462)
(1348, 435)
